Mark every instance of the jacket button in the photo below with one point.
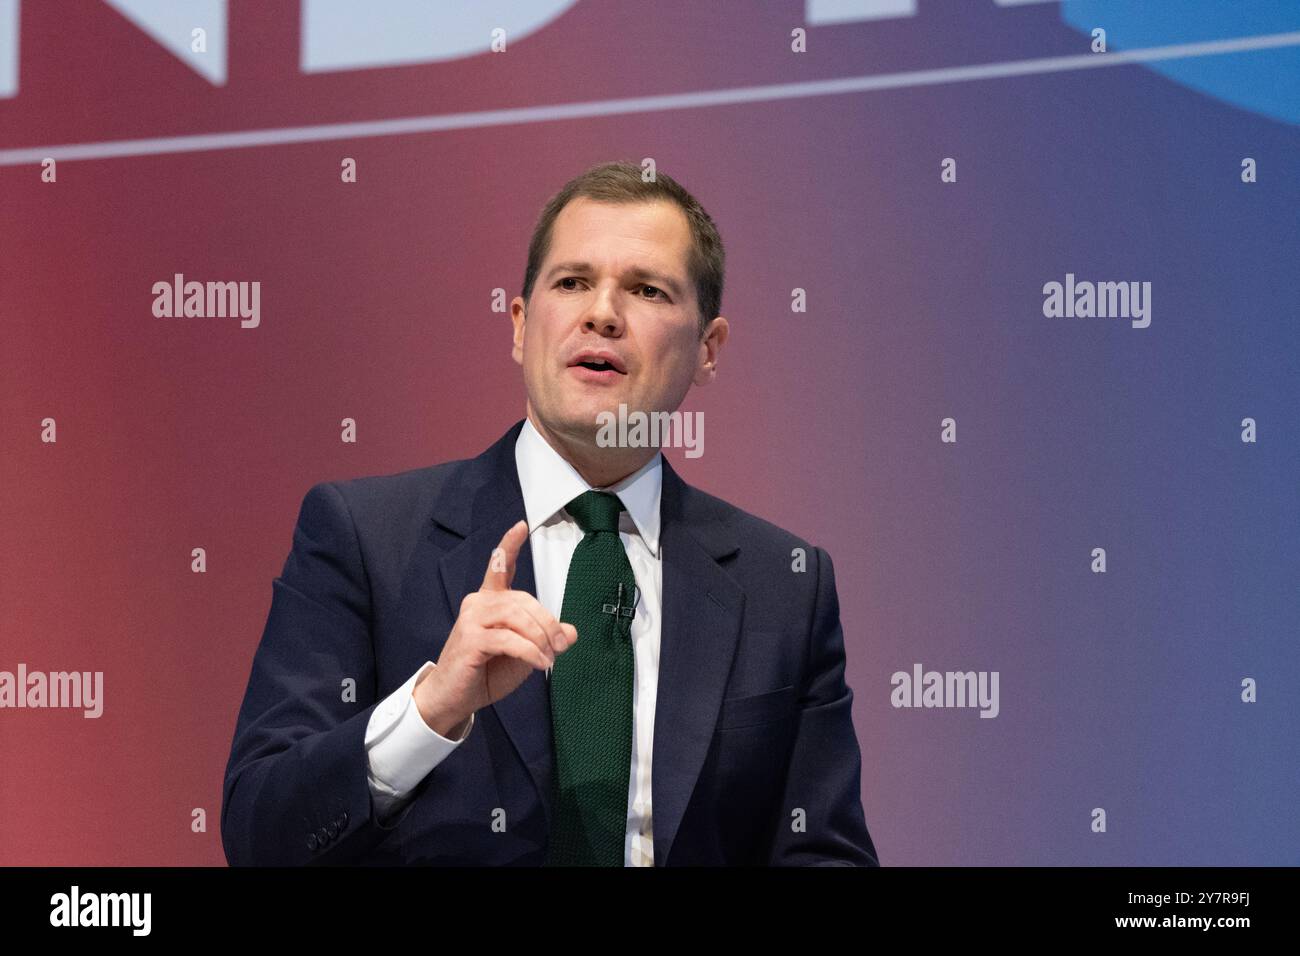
(322, 836)
(311, 841)
(343, 820)
(332, 830)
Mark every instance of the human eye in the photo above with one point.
(567, 279)
(662, 295)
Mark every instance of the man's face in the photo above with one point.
(615, 281)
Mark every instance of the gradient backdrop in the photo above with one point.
(1119, 690)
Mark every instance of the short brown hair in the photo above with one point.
(621, 182)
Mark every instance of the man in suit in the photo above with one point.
(557, 652)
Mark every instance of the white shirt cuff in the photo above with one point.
(401, 748)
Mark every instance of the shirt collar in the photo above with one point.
(548, 483)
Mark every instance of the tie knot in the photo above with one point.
(596, 511)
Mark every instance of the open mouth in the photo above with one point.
(599, 366)
(596, 372)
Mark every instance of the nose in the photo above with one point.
(602, 317)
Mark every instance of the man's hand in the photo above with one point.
(499, 636)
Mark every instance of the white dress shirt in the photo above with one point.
(402, 749)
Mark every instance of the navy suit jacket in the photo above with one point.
(755, 757)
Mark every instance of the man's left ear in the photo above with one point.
(710, 346)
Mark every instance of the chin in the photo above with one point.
(581, 413)
(578, 421)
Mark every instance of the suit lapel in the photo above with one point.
(700, 623)
(702, 607)
(476, 512)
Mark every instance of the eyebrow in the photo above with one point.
(667, 281)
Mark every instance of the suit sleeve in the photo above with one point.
(824, 776)
(296, 789)
(402, 749)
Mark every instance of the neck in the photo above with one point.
(599, 467)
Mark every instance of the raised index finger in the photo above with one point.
(501, 566)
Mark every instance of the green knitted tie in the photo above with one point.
(591, 693)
